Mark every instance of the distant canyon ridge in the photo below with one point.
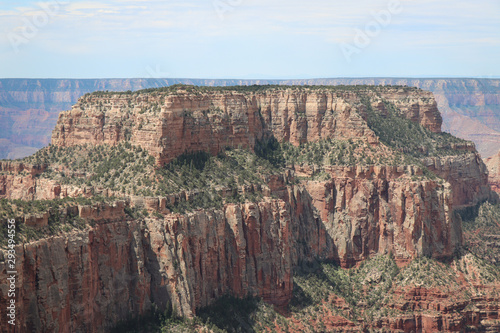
(29, 108)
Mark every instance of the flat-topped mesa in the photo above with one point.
(348, 212)
(170, 121)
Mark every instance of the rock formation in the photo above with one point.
(88, 280)
(29, 107)
(467, 175)
(493, 165)
(183, 121)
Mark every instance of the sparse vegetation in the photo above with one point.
(481, 224)
(408, 137)
(127, 170)
(176, 88)
(59, 218)
(359, 295)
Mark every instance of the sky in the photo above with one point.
(249, 39)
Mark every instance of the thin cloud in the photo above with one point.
(156, 29)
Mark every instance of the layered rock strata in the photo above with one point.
(370, 210)
(168, 124)
(87, 281)
(90, 280)
(29, 107)
(493, 165)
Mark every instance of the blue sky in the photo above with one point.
(249, 38)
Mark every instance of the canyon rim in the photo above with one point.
(182, 196)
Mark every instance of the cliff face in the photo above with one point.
(209, 122)
(370, 210)
(29, 108)
(493, 165)
(467, 174)
(469, 107)
(89, 280)
(421, 305)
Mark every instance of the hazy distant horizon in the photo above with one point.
(255, 79)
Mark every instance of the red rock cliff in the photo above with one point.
(87, 281)
(168, 124)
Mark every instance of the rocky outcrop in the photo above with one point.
(168, 124)
(368, 210)
(88, 281)
(29, 107)
(427, 310)
(469, 107)
(493, 165)
(102, 212)
(467, 175)
(19, 167)
(432, 310)
(25, 186)
(37, 220)
(19, 180)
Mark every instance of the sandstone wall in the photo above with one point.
(29, 107)
(493, 165)
(88, 281)
(467, 174)
(442, 313)
(169, 124)
(362, 211)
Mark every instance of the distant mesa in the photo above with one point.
(29, 108)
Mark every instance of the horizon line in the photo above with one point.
(254, 79)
